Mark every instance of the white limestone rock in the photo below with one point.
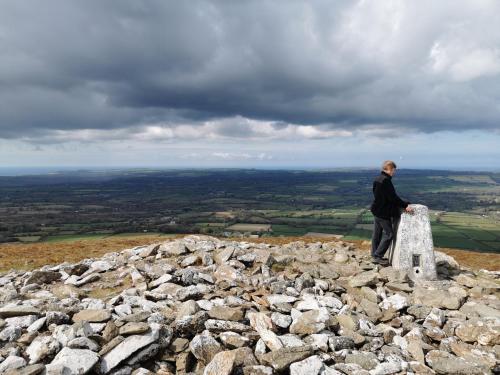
(204, 347)
(73, 361)
(310, 366)
(281, 320)
(12, 362)
(41, 347)
(396, 302)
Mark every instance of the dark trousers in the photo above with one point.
(383, 234)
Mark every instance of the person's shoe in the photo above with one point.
(381, 261)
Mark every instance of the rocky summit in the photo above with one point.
(201, 305)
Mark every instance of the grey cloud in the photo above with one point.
(90, 64)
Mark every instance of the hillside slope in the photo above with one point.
(199, 304)
(29, 256)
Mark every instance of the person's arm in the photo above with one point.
(392, 196)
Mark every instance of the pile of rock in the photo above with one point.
(207, 306)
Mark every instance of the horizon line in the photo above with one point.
(40, 170)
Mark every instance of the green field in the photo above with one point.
(244, 227)
(97, 236)
(75, 237)
(455, 230)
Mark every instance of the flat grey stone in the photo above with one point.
(447, 363)
(10, 311)
(43, 277)
(126, 348)
(92, 315)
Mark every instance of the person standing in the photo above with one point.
(385, 208)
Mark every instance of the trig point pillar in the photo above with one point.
(413, 248)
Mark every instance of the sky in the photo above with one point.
(259, 84)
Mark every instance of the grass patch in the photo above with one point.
(287, 230)
(359, 234)
(29, 238)
(135, 234)
(74, 237)
(26, 256)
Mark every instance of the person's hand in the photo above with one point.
(409, 209)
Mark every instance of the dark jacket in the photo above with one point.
(386, 203)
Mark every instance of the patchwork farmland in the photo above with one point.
(70, 206)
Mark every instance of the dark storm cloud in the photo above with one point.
(70, 65)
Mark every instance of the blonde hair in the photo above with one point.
(388, 164)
